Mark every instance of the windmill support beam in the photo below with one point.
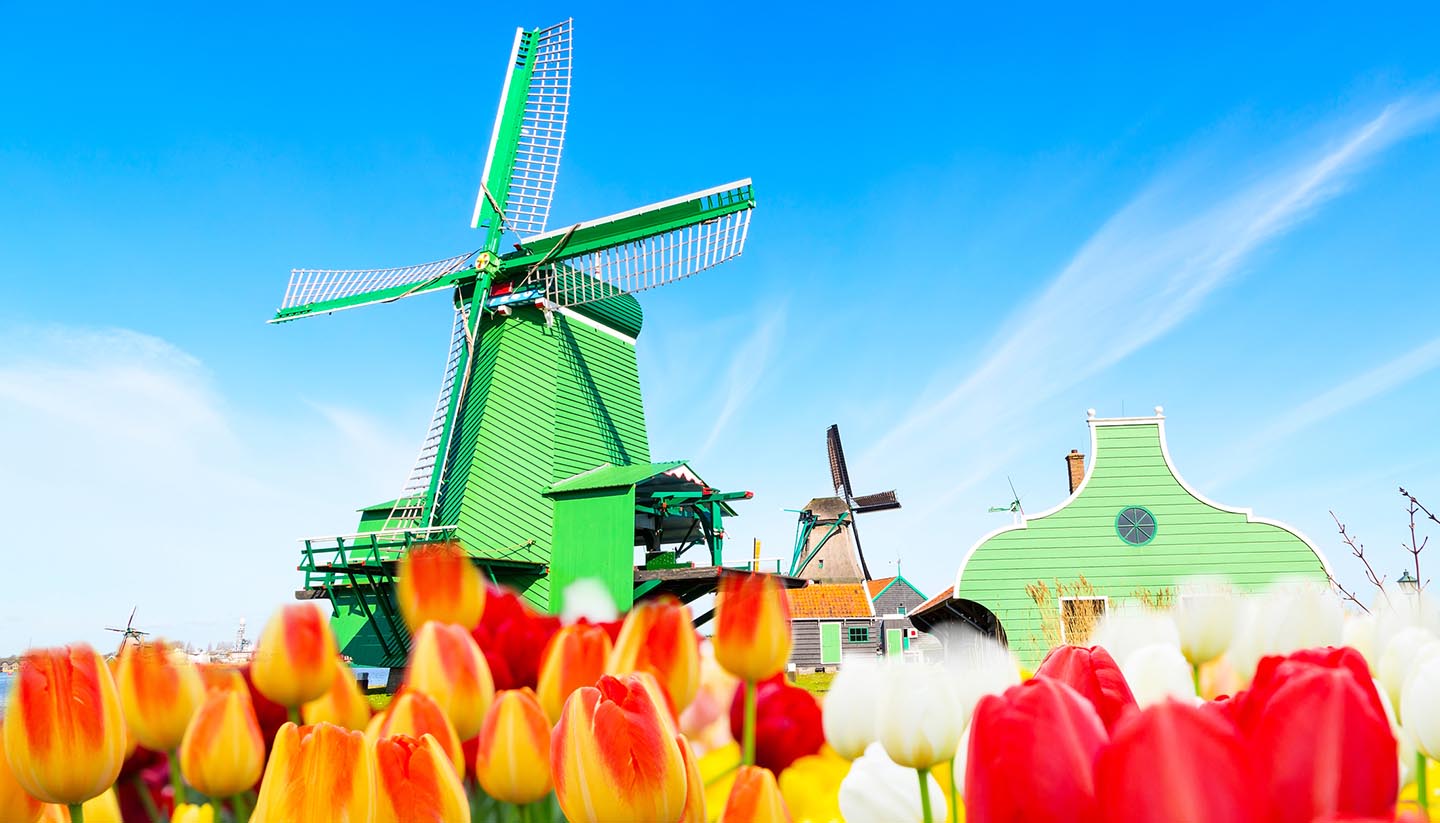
(818, 546)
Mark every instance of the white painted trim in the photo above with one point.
(1060, 605)
(642, 209)
(595, 324)
(1158, 421)
(495, 130)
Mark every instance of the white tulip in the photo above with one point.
(1129, 628)
(1157, 673)
(1304, 616)
(980, 668)
(1361, 634)
(879, 790)
(1206, 622)
(1399, 657)
(849, 710)
(1404, 748)
(920, 719)
(1420, 706)
(589, 599)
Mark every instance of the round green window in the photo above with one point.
(1135, 525)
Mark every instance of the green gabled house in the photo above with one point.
(1132, 530)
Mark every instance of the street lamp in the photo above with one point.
(1408, 584)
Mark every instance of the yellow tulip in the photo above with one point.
(811, 786)
(415, 714)
(575, 657)
(186, 813)
(160, 690)
(317, 774)
(513, 762)
(415, 783)
(612, 757)
(659, 638)
(223, 751)
(439, 582)
(296, 658)
(446, 663)
(755, 798)
(343, 705)
(65, 731)
(752, 625)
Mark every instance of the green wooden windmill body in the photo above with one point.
(537, 460)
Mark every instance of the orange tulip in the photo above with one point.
(575, 657)
(15, 803)
(415, 783)
(752, 625)
(65, 731)
(223, 751)
(415, 714)
(439, 583)
(104, 808)
(613, 757)
(514, 749)
(296, 659)
(755, 798)
(659, 638)
(694, 785)
(343, 705)
(160, 690)
(317, 774)
(446, 664)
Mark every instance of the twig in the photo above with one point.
(1415, 547)
(1358, 549)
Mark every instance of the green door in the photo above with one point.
(894, 642)
(829, 643)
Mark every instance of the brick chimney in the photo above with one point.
(1075, 462)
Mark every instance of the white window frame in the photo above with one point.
(1104, 598)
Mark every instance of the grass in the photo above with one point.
(817, 683)
(379, 702)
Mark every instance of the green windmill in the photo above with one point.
(536, 459)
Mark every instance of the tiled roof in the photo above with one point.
(877, 586)
(936, 600)
(830, 600)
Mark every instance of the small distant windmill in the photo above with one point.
(129, 632)
(827, 543)
(1015, 508)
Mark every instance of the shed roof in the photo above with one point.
(610, 476)
(935, 601)
(877, 586)
(822, 600)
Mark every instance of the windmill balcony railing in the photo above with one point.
(770, 565)
(320, 556)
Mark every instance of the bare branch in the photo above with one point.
(1416, 546)
(1358, 549)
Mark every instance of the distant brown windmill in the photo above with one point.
(129, 633)
(827, 543)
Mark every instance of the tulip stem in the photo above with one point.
(954, 798)
(925, 795)
(1422, 786)
(176, 778)
(241, 807)
(295, 716)
(77, 813)
(1195, 672)
(143, 792)
(751, 687)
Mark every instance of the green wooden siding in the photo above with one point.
(829, 643)
(595, 538)
(1192, 538)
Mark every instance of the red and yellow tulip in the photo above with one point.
(160, 690)
(296, 658)
(439, 583)
(102, 809)
(343, 705)
(64, 731)
(694, 785)
(415, 714)
(446, 664)
(658, 637)
(613, 757)
(15, 803)
(415, 783)
(513, 760)
(752, 625)
(317, 774)
(755, 798)
(223, 752)
(575, 657)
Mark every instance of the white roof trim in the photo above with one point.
(1159, 421)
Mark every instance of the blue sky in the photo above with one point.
(974, 224)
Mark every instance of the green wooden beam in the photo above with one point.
(444, 281)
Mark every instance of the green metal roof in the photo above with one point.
(609, 477)
(386, 506)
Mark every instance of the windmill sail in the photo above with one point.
(839, 472)
(640, 249)
(319, 291)
(518, 181)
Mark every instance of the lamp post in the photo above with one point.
(1408, 584)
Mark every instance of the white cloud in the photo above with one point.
(747, 368)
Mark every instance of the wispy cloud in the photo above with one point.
(1146, 270)
(747, 368)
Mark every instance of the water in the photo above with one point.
(4, 689)
(378, 678)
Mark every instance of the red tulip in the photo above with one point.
(1247, 707)
(1032, 756)
(1091, 672)
(513, 638)
(1321, 748)
(787, 723)
(1174, 763)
